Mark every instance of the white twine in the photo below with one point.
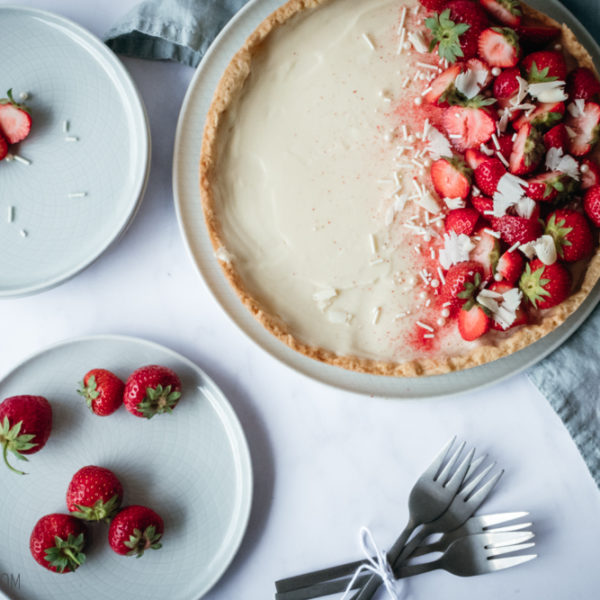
(377, 564)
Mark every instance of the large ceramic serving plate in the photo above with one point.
(90, 136)
(191, 466)
(187, 193)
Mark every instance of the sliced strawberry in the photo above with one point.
(510, 266)
(443, 85)
(545, 65)
(547, 186)
(557, 138)
(15, 120)
(572, 234)
(545, 286)
(591, 204)
(451, 178)
(484, 206)
(499, 47)
(3, 147)
(473, 322)
(501, 287)
(483, 70)
(462, 282)
(488, 174)
(586, 129)
(474, 158)
(468, 127)
(486, 252)
(590, 173)
(517, 229)
(507, 12)
(535, 35)
(545, 115)
(462, 220)
(506, 144)
(504, 104)
(582, 83)
(506, 85)
(528, 150)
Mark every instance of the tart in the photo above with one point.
(396, 186)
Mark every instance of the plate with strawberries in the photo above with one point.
(74, 150)
(125, 473)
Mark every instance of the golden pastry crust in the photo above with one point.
(227, 92)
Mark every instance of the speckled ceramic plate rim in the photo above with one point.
(188, 141)
(142, 137)
(231, 423)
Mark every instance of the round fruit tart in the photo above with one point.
(406, 187)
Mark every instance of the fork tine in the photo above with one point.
(468, 489)
(497, 564)
(475, 464)
(509, 528)
(448, 468)
(489, 520)
(455, 481)
(492, 552)
(507, 538)
(477, 498)
(434, 468)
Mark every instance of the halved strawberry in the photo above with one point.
(483, 70)
(528, 150)
(545, 115)
(483, 205)
(499, 47)
(3, 147)
(443, 85)
(462, 220)
(535, 35)
(474, 158)
(590, 173)
(586, 129)
(488, 174)
(545, 286)
(591, 204)
(15, 120)
(517, 229)
(486, 252)
(506, 85)
(557, 137)
(572, 234)
(510, 266)
(505, 142)
(451, 178)
(462, 282)
(473, 322)
(547, 186)
(468, 126)
(582, 83)
(501, 287)
(545, 65)
(508, 12)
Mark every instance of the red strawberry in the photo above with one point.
(57, 542)
(582, 83)
(545, 286)
(3, 147)
(25, 425)
(517, 229)
(15, 120)
(468, 126)
(479, 66)
(473, 322)
(499, 47)
(435, 5)
(506, 144)
(507, 12)
(451, 178)
(528, 150)
(545, 65)
(483, 205)
(457, 29)
(572, 234)
(556, 137)
(134, 530)
(103, 391)
(506, 85)
(510, 266)
(152, 390)
(443, 85)
(501, 287)
(488, 174)
(462, 282)
(547, 186)
(586, 128)
(590, 173)
(94, 494)
(462, 220)
(486, 252)
(474, 158)
(535, 35)
(591, 204)
(545, 115)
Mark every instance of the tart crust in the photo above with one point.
(228, 91)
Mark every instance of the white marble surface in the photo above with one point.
(326, 461)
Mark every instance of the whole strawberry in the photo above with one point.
(134, 530)
(25, 425)
(15, 120)
(582, 83)
(462, 282)
(515, 229)
(152, 390)
(546, 65)
(94, 494)
(545, 286)
(591, 204)
(103, 391)
(572, 234)
(57, 543)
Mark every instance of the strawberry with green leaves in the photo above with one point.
(94, 494)
(545, 115)
(572, 234)
(499, 47)
(103, 391)
(546, 187)
(451, 178)
(152, 390)
(134, 530)
(15, 119)
(545, 65)
(545, 286)
(25, 426)
(57, 543)
(461, 282)
(507, 12)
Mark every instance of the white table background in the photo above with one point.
(325, 461)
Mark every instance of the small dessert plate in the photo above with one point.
(77, 180)
(192, 466)
(186, 185)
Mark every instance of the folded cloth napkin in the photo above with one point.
(179, 30)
